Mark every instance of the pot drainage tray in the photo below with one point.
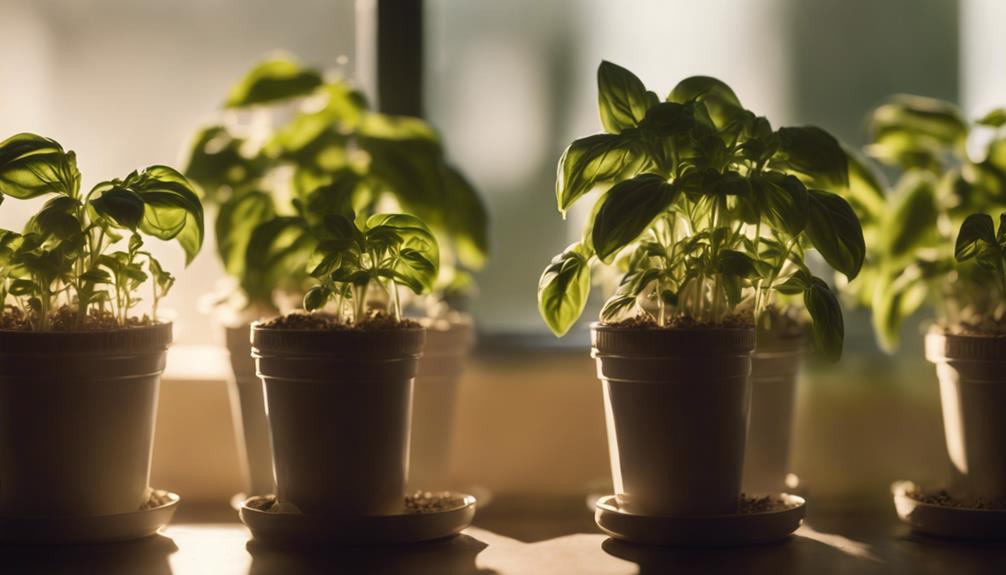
(760, 520)
(144, 522)
(935, 512)
(425, 516)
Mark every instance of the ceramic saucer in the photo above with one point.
(948, 521)
(600, 487)
(93, 529)
(744, 528)
(452, 513)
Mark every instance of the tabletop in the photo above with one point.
(519, 535)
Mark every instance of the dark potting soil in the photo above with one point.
(65, 319)
(762, 504)
(944, 499)
(325, 322)
(644, 320)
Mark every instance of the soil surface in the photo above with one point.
(418, 502)
(944, 499)
(685, 322)
(762, 504)
(327, 322)
(65, 319)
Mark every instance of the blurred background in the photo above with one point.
(125, 83)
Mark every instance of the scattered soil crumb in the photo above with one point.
(762, 504)
(945, 499)
(735, 320)
(324, 322)
(418, 502)
(65, 319)
(432, 501)
(156, 499)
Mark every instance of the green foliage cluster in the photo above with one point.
(939, 187)
(323, 146)
(353, 255)
(707, 211)
(65, 255)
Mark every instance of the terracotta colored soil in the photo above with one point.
(762, 504)
(647, 321)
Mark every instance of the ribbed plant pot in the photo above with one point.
(676, 406)
(250, 423)
(972, 375)
(77, 413)
(433, 401)
(775, 369)
(339, 405)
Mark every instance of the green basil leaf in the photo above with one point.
(173, 209)
(835, 231)
(977, 229)
(123, 206)
(994, 119)
(621, 96)
(627, 210)
(237, 219)
(827, 325)
(914, 131)
(739, 264)
(32, 166)
(563, 289)
(898, 295)
(217, 163)
(721, 103)
(782, 200)
(316, 298)
(272, 80)
(815, 154)
(467, 220)
(910, 222)
(867, 188)
(596, 160)
(276, 258)
(419, 254)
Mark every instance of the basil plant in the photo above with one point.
(354, 256)
(941, 186)
(305, 140)
(67, 269)
(706, 211)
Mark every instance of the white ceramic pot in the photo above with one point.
(77, 412)
(972, 375)
(676, 406)
(433, 401)
(339, 405)
(251, 425)
(775, 369)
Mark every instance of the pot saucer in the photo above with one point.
(953, 522)
(157, 513)
(743, 528)
(424, 517)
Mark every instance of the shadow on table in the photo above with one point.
(147, 556)
(797, 554)
(454, 556)
(531, 520)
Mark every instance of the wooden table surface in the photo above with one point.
(520, 536)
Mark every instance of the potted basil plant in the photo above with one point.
(79, 367)
(938, 247)
(338, 382)
(707, 216)
(294, 139)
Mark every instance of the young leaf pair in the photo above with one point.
(63, 256)
(706, 211)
